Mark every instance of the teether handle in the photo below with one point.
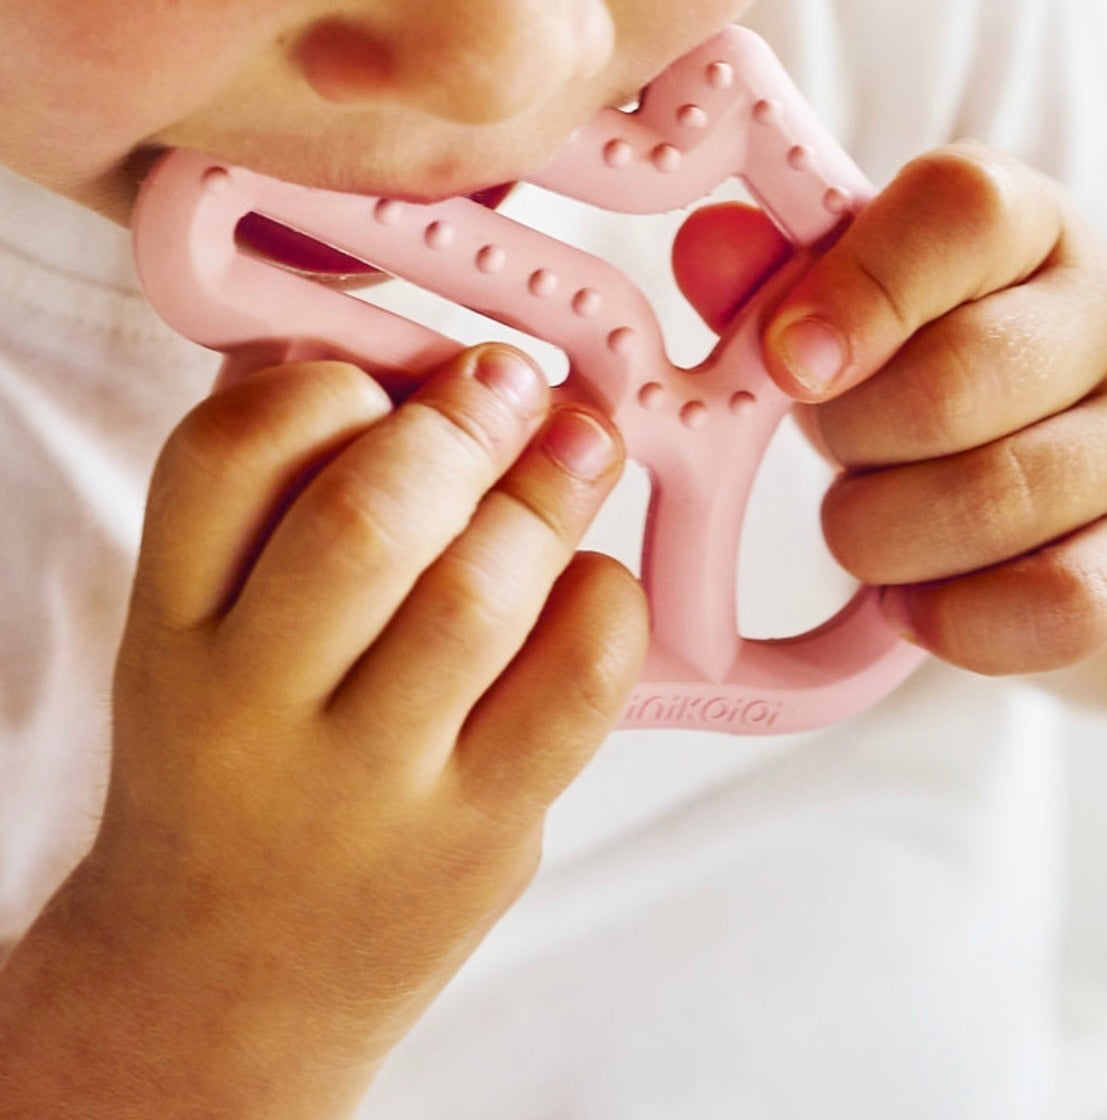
(700, 433)
(195, 275)
(726, 109)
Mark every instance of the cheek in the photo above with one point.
(86, 80)
(651, 33)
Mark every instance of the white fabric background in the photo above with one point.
(872, 922)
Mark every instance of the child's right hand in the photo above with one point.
(361, 662)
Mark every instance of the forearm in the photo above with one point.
(106, 1018)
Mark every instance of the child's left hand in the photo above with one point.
(954, 340)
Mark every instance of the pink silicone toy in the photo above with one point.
(725, 109)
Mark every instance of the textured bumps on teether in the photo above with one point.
(725, 110)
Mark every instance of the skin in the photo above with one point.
(357, 672)
(418, 99)
(967, 414)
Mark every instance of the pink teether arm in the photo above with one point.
(726, 109)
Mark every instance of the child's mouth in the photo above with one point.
(289, 248)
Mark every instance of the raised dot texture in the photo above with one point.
(801, 158)
(742, 402)
(587, 303)
(439, 235)
(388, 211)
(617, 153)
(837, 201)
(652, 396)
(542, 283)
(216, 180)
(621, 340)
(720, 75)
(694, 415)
(666, 158)
(491, 259)
(767, 111)
(691, 116)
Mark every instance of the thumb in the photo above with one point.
(955, 226)
(722, 254)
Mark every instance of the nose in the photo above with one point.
(471, 61)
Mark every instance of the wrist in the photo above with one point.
(127, 1012)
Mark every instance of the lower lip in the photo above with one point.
(288, 248)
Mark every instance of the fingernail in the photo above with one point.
(580, 444)
(895, 607)
(512, 378)
(815, 353)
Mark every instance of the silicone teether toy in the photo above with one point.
(726, 109)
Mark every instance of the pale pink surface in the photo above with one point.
(725, 110)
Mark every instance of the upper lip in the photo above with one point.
(141, 160)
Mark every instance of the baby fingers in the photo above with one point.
(990, 368)
(1043, 611)
(473, 609)
(1000, 553)
(955, 226)
(950, 516)
(353, 544)
(226, 468)
(543, 719)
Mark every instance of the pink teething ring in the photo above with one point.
(725, 110)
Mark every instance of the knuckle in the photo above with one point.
(985, 506)
(554, 524)
(963, 382)
(1041, 612)
(606, 658)
(351, 518)
(463, 429)
(938, 413)
(470, 431)
(923, 521)
(1000, 498)
(208, 440)
(202, 452)
(463, 599)
(878, 274)
(354, 390)
(266, 416)
(967, 181)
(1070, 623)
(923, 408)
(599, 687)
(847, 514)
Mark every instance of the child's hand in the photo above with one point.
(361, 663)
(959, 327)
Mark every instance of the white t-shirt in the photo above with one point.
(858, 923)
